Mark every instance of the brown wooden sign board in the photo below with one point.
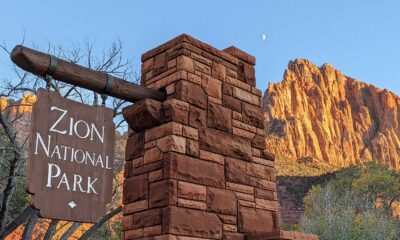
(70, 159)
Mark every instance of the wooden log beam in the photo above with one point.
(38, 63)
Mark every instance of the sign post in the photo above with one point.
(70, 159)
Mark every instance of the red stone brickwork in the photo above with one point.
(196, 164)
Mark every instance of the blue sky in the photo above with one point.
(360, 38)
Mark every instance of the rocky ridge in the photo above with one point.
(320, 114)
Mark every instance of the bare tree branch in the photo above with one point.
(25, 214)
(51, 229)
(30, 226)
(70, 231)
(96, 226)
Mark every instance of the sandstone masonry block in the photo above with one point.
(227, 219)
(132, 234)
(240, 188)
(127, 222)
(195, 223)
(213, 157)
(229, 228)
(219, 117)
(185, 63)
(244, 126)
(197, 117)
(170, 89)
(144, 114)
(192, 148)
(232, 103)
(201, 59)
(246, 73)
(166, 237)
(233, 236)
(243, 133)
(152, 155)
(151, 231)
(145, 168)
(246, 96)
(240, 54)
(202, 68)
(243, 89)
(212, 86)
(194, 78)
(175, 115)
(172, 143)
(218, 71)
(135, 206)
(182, 202)
(135, 188)
(191, 191)
(221, 201)
(163, 193)
(155, 175)
(266, 204)
(147, 218)
(225, 144)
(191, 93)
(171, 128)
(266, 222)
(190, 132)
(244, 196)
(147, 65)
(264, 194)
(160, 61)
(181, 167)
(252, 115)
(134, 146)
(247, 173)
(258, 142)
(172, 63)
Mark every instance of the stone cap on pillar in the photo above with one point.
(231, 54)
(157, 64)
(240, 54)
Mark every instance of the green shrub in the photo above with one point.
(345, 207)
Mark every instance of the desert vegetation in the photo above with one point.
(358, 203)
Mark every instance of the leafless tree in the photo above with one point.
(111, 61)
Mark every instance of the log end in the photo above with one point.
(30, 60)
(15, 53)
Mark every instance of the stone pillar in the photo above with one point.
(196, 164)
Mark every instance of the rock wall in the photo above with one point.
(196, 165)
(18, 114)
(317, 112)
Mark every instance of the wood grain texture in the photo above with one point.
(38, 63)
(53, 201)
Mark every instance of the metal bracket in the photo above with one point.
(51, 70)
(53, 65)
(107, 89)
(109, 85)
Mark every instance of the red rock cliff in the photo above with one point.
(319, 112)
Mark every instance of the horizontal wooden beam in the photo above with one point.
(38, 63)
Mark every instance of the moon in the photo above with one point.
(264, 37)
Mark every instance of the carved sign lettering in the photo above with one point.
(70, 159)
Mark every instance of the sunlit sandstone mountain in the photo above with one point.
(319, 114)
(18, 107)
(18, 114)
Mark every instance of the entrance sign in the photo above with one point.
(70, 159)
